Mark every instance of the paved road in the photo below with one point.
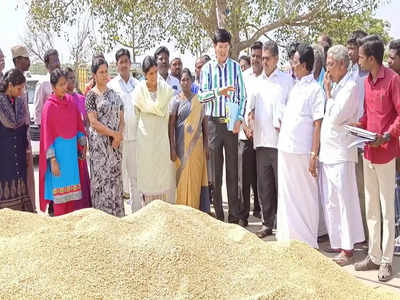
(369, 277)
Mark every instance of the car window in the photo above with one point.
(30, 87)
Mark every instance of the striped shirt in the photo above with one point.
(213, 77)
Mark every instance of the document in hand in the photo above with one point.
(362, 133)
(232, 111)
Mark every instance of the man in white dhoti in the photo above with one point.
(124, 84)
(298, 147)
(338, 181)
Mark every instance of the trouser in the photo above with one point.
(267, 183)
(361, 193)
(379, 181)
(247, 177)
(129, 166)
(220, 139)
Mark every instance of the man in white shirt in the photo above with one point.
(247, 155)
(358, 75)
(44, 88)
(162, 57)
(124, 84)
(267, 104)
(298, 195)
(338, 181)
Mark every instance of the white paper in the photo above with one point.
(358, 142)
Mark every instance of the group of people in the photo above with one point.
(281, 134)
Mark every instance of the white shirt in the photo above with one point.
(271, 95)
(359, 77)
(173, 82)
(42, 92)
(125, 90)
(249, 78)
(341, 109)
(305, 105)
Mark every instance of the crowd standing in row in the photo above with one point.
(166, 137)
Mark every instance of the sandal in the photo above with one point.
(385, 272)
(343, 259)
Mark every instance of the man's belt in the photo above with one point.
(219, 120)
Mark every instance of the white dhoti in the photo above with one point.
(129, 165)
(341, 205)
(298, 202)
(124, 170)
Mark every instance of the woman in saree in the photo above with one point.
(189, 146)
(79, 101)
(106, 118)
(62, 145)
(13, 143)
(155, 171)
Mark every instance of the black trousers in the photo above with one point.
(267, 183)
(220, 139)
(247, 164)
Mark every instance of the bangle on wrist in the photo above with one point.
(313, 155)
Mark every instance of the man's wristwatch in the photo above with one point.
(386, 136)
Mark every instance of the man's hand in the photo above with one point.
(236, 128)
(313, 166)
(248, 132)
(356, 124)
(380, 139)
(225, 91)
(328, 84)
(173, 155)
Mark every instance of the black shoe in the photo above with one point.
(257, 214)
(243, 223)
(50, 210)
(263, 232)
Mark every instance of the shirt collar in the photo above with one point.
(223, 65)
(381, 75)
(275, 73)
(307, 79)
(249, 72)
(342, 81)
(130, 80)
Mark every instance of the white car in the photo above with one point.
(34, 130)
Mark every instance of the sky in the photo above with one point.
(12, 27)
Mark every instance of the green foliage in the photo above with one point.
(340, 29)
(140, 24)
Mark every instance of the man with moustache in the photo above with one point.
(267, 106)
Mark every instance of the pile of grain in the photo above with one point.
(161, 252)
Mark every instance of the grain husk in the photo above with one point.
(161, 252)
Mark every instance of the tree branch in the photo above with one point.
(277, 24)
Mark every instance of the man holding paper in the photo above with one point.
(338, 183)
(222, 89)
(382, 116)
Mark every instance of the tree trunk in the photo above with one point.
(221, 7)
(133, 47)
(235, 51)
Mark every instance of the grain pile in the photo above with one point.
(161, 252)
